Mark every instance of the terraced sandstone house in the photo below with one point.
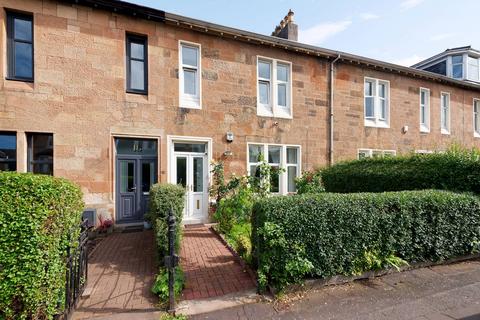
(116, 96)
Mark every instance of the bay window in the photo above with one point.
(274, 88)
(473, 69)
(190, 75)
(284, 161)
(457, 67)
(377, 102)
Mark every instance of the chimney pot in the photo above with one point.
(287, 28)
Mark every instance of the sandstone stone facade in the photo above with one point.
(79, 95)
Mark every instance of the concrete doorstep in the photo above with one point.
(193, 307)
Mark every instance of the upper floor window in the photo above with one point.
(284, 161)
(457, 67)
(274, 88)
(19, 46)
(424, 110)
(40, 153)
(8, 151)
(476, 117)
(137, 64)
(190, 75)
(473, 69)
(375, 153)
(377, 103)
(445, 113)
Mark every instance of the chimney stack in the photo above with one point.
(287, 29)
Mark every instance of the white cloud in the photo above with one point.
(321, 32)
(442, 36)
(408, 61)
(368, 16)
(409, 4)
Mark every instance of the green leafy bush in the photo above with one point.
(164, 197)
(310, 182)
(39, 219)
(160, 286)
(456, 170)
(239, 238)
(327, 234)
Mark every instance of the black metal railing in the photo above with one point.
(77, 270)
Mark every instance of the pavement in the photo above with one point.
(436, 293)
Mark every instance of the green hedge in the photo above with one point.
(164, 197)
(455, 170)
(39, 216)
(327, 234)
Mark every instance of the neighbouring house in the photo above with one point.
(117, 96)
(457, 63)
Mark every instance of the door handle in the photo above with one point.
(133, 188)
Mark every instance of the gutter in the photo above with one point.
(332, 88)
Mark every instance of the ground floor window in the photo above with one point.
(285, 163)
(8, 151)
(40, 153)
(375, 153)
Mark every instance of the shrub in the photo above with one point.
(239, 238)
(310, 182)
(455, 170)
(164, 197)
(327, 234)
(160, 286)
(39, 220)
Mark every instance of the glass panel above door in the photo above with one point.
(136, 147)
(198, 174)
(190, 147)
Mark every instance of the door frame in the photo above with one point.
(114, 168)
(171, 140)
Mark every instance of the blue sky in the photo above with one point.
(401, 31)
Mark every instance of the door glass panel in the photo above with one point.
(127, 179)
(148, 175)
(136, 147)
(182, 171)
(197, 174)
(190, 147)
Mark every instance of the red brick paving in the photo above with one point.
(210, 268)
(120, 275)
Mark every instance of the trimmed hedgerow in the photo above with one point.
(455, 170)
(39, 219)
(328, 234)
(164, 197)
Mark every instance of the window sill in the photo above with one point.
(28, 80)
(144, 93)
(446, 132)
(424, 129)
(476, 135)
(262, 112)
(380, 125)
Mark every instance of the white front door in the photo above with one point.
(191, 171)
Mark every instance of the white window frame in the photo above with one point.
(188, 100)
(468, 65)
(370, 152)
(451, 64)
(425, 127)
(445, 130)
(283, 178)
(377, 120)
(476, 114)
(424, 151)
(273, 109)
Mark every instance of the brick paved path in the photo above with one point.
(120, 275)
(210, 268)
